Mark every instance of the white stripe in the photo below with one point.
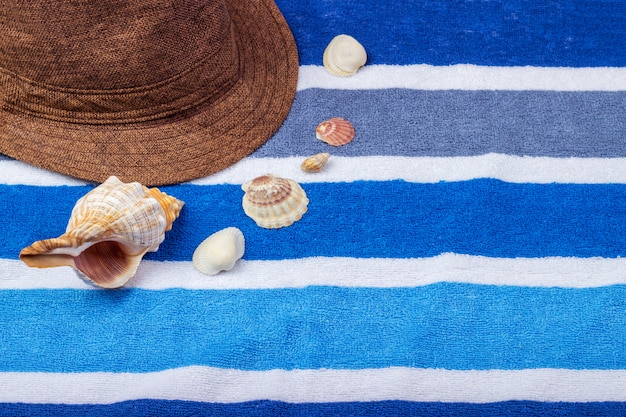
(467, 77)
(567, 272)
(16, 172)
(205, 384)
(508, 168)
(518, 169)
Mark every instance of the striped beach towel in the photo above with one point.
(464, 255)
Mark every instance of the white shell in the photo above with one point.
(109, 231)
(220, 251)
(344, 55)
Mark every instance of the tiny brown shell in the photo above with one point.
(315, 163)
(336, 131)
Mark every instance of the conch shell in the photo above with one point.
(109, 231)
(344, 55)
(220, 251)
(274, 202)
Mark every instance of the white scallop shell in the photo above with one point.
(220, 251)
(344, 55)
(109, 231)
(274, 202)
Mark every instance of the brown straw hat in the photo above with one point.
(155, 91)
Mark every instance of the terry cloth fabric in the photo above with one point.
(463, 255)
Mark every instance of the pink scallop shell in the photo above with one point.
(336, 131)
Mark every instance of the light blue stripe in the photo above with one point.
(441, 32)
(457, 123)
(450, 326)
(392, 219)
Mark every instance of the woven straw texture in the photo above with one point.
(152, 91)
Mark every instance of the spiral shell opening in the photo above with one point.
(108, 264)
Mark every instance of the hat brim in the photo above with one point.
(194, 144)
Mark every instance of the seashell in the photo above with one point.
(109, 231)
(220, 251)
(274, 202)
(344, 55)
(335, 131)
(315, 163)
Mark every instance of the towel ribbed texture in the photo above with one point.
(511, 325)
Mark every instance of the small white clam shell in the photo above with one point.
(220, 251)
(344, 55)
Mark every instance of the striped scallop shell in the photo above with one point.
(315, 163)
(336, 131)
(220, 251)
(274, 202)
(344, 55)
(109, 231)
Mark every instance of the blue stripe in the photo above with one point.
(442, 32)
(450, 326)
(167, 408)
(369, 219)
(457, 123)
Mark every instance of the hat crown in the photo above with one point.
(110, 61)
